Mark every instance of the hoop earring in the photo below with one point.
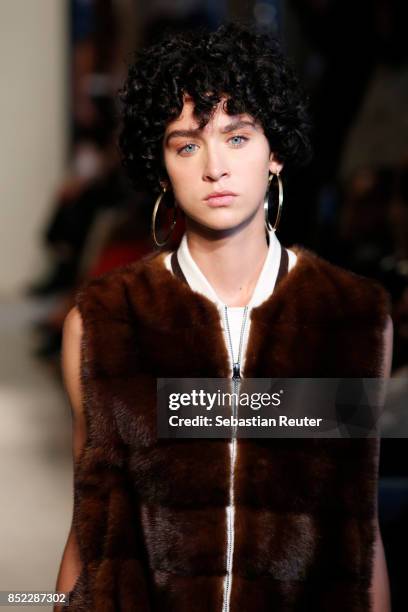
(174, 221)
(269, 227)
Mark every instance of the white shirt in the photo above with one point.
(263, 289)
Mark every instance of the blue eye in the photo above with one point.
(242, 139)
(186, 148)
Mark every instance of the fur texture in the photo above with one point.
(150, 514)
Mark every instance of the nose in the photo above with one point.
(215, 167)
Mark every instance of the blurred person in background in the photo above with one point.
(363, 230)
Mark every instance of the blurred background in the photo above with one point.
(69, 213)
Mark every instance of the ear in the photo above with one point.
(275, 166)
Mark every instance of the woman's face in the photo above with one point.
(230, 154)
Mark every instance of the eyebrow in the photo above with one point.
(230, 127)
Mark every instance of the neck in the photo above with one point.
(231, 260)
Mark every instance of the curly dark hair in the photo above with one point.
(236, 61)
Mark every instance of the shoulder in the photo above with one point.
(73, 323)
(388, 346)
(340, 291)
(109, 294)
(70, 364)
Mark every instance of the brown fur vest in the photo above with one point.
(150, 514)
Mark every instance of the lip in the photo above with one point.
(220, 198)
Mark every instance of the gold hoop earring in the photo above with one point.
(269, 227)
(155, 209)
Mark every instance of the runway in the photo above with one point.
(35, 458)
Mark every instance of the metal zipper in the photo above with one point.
(236, 376)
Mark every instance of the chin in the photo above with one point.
(220, 222)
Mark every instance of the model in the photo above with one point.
(222, 525)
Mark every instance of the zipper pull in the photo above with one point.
(236, 371)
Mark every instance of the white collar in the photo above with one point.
(265, 283)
